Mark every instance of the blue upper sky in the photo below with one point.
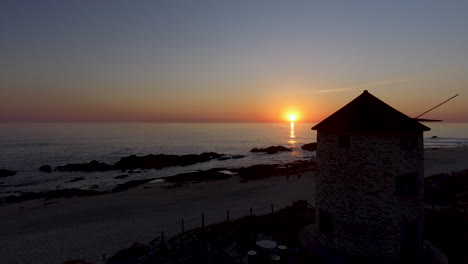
(227, 60)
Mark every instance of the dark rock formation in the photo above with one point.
(131, 184)
(256, 172)
(45, 168)
(162, 160)
(231, 157)
(6, 173)
(199, 176)
(76, 179)
(144, 162)
(65, 193)
(271, 149)
(91, 166)
(310, 146)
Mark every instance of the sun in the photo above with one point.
(292, 117)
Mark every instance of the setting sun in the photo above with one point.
(292, 117)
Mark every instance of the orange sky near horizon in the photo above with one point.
(227, 61)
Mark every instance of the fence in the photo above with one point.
(182, 225)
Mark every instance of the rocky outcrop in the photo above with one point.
(142, 162)
(76, 179)
(271, 149)
(310, 146)
(91, 166)
(45, 168)
(162, 160)
(7, 173)
(256, 172)
(131, 184)
(199, 176)
(62, 193)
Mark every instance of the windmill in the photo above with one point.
(432, 120)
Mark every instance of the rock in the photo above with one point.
(434, 137)
(76, 179)
(62, 193)
(7, 173)
(131, 184)
(161, 160)
(121, 176)
(262, 171)
(310, 146)
(231, 157)
(133, 162)
(199, 176)
(88, 167)
(271, 149)
(45, 168)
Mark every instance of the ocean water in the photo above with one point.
(24, 147)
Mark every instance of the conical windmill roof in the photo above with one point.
(368, 114)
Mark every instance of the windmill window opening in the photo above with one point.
(325, 221)
(407, 185)
(409, 142)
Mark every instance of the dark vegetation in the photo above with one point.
(447, 229)
(447, 190)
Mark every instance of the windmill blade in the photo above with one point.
(436, 106)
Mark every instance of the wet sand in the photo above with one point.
(63, 229)
(91, 226)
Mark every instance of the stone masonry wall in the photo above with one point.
(357, 186)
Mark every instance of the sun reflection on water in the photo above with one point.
(292, 135)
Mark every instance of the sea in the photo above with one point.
(24, 147)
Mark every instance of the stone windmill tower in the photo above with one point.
(369, 189)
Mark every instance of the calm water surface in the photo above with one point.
(27, 146)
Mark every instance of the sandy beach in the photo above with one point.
(63, 229)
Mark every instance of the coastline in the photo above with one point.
(60, 229)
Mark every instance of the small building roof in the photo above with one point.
(368, 114)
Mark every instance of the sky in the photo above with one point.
(228, 61)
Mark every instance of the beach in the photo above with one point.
(57, 230)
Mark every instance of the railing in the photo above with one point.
(180, 226)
